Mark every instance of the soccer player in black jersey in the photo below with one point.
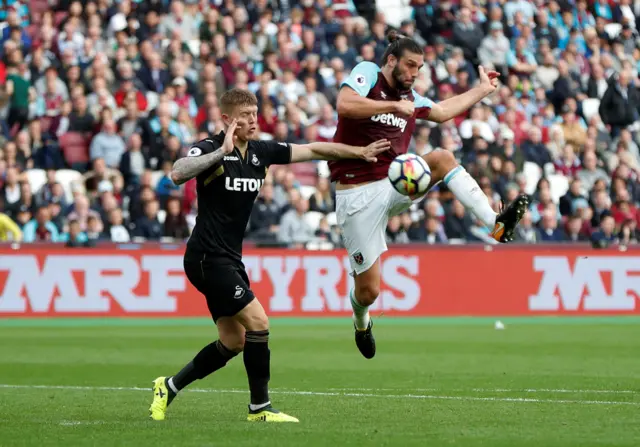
(230, 169)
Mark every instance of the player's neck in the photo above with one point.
(387, 72)
(242, 145)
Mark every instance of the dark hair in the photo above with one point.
(398, 45)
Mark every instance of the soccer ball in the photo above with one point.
(409, 174)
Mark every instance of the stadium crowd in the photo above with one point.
(100, 97)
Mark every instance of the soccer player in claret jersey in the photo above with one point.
(230, 169)
(379, 102)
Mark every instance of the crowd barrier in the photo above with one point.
(50, 281)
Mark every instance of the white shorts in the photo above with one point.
(363, 213)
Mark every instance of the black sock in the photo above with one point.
(257, 364)
(210, 359)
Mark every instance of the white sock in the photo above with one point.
(469, 193)
(172, 386)
(360, 312)
(253, 407)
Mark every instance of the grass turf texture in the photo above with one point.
(440, 382)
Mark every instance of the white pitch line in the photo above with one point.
(499, 390)
(72, 423)
(337, 394)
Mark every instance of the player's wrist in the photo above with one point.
(486, 89)
(397, 106)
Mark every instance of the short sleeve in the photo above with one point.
(423, 106)
(275, 152)
(362, 78)
(202, 147)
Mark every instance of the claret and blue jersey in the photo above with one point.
(367, 80)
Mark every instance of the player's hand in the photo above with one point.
(405, 107)
(230, 138)
(488, 80)
(369, 153)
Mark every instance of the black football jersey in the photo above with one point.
(227, 192)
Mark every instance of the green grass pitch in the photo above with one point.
(434, 382)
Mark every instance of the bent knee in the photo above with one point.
(257, 322)
(441, 163)
(367, 294)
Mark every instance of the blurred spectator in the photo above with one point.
(108, 145)
(568, 163)
(526, 232)
(81, 212)
(395, 234)
(133, 162)
(17, 87)
(619, 105)
(628, 234)
(590, 172)
(11, 192)
(458, 222)
(432, 232)
(75, 237)
(623, 210)
(494, 48)
(45, 149)
(165, 186)
(80, 120)
(40, 229)
(95, 228)
(175, 223)
(568, 202)
(117, 231)
(549, 231)
(467, 35)
(605, 235)
(573, 131)
(574, 231)
(534, 150)
(322, 199)
(265, 218)
(294, 229)
(148, 226)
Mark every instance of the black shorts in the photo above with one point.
(223, 282)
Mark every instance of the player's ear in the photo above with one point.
(226, 119)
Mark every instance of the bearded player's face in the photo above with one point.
(247, 117)
(405, 71)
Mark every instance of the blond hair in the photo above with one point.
(236, 97)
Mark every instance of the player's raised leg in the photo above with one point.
(257, 362)
(211, 358)
(444, 167)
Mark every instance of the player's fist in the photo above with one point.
(405, 107)
(230, 138)
(488, 80)
(369, 153)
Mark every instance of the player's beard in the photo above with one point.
(401, 83)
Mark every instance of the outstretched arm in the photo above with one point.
(452, 107)
(351, 105)
(337, 151)
(196, 162)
